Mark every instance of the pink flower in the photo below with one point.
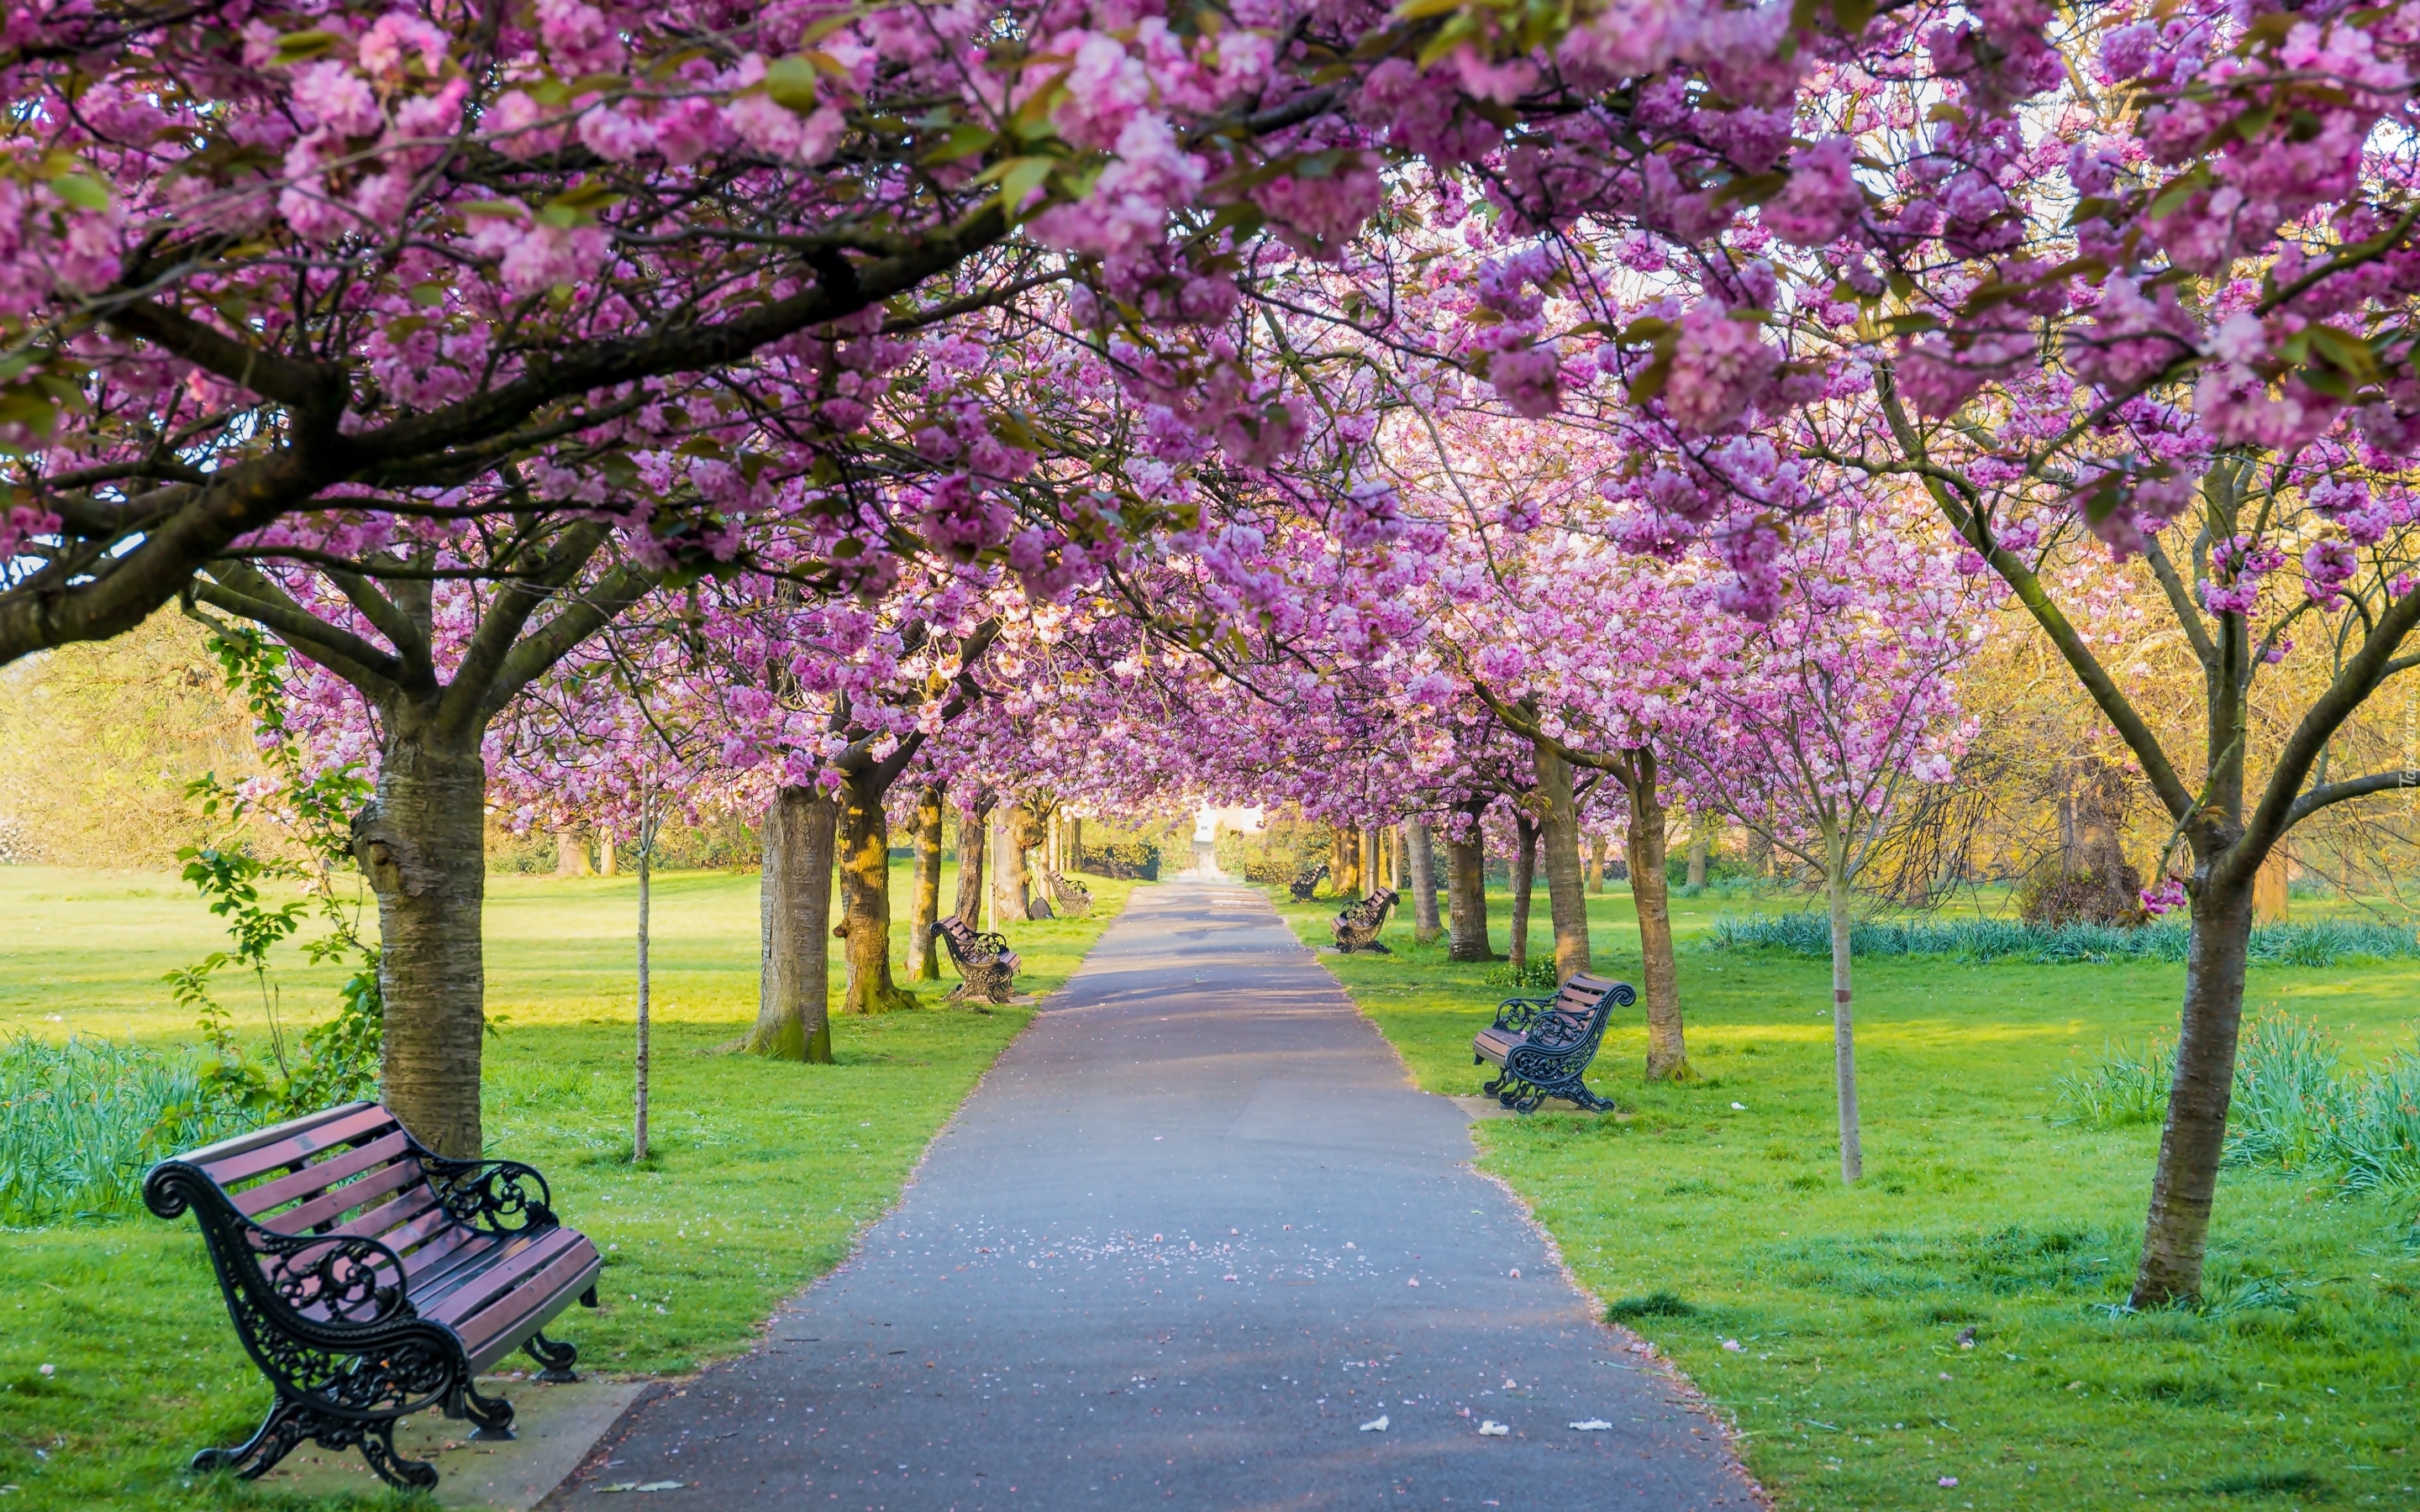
(1822, 201)
(1719, 367)
(337, 97)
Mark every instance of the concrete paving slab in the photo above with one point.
(554, 1430)
(1195, 1242)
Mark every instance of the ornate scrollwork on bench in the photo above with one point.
(987, 967)
(1544, 1045)
(1357, 927)
(1307, 882)
(370, 1278)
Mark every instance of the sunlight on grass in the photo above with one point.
(759, 1174)
(1700, 1223)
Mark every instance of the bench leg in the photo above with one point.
(556, 1356)
(493, 1416)
(290, 1422)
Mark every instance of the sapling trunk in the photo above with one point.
(1668, 1049)
(2178, 1229)
(865, 896)
(1525, 872)
(1030, 832)
(1699, 846)
(924, 949)
(792, 1012)
(1373, 863)
(421, 841)
(639, 1062)
(1844, 1035)
(1420, 859)
(1560, 833)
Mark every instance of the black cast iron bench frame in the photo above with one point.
(1356, 928)
(987, 967)
(1307, 882)
(1544, 1045)
(371, 1278)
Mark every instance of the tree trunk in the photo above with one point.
(1667, 1047)
(422, 842)
(973, 825)
(1373, 869)
(1699, 846)
(866, 898)
(570, 853)
(2186, 1177)
(1525, 874)
(1465, 878)
(1596, 863)
(924, 949)
(2271, 901)
(1030, 830)
(1844, 1034)
(793, 1003)
(1076, 843)
(1009, 899)
(1420, 862)
(1566, 901)
(606, 866)
(639, 1062)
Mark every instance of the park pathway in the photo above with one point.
(1191, 1232)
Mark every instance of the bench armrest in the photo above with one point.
(351, 1281)
(495, 1197)
(1515, 1013)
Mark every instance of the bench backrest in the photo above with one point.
(1583, 1007)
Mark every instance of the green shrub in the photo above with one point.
(2292, 1108)
(2125, 1086)
(81, 1122)
(2324, 943)
(1534, 975)
(1134, 859)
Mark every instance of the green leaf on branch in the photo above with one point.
(792, 82)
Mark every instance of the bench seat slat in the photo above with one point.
(296, 1145)
(450, 1251)
(383, 1221)
(481, 1317)
(548, 1293)
(478, 1286)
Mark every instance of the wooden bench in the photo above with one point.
(985, 963)
(370, 1279)
(1075, 900)
(1544, 1045)
(1307, 882)
(1357, 926)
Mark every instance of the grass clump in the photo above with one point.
(80, 1123)
(2319, 943)
(1653, 1304)
(2293, 1106)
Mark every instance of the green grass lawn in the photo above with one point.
(759, 1176)
(1715, 1216)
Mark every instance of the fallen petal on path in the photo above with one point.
(1376, 1424)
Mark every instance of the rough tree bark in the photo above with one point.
(924, 949)
(1525, 875)
(1012, 892)
(1844, 1035)
(2195, 1137)
(1668, 1049)
(1420, 860)
(794, 1000)
(974, 827)
(422, 842)
(1465, 859)
(1559, 833)
(865, 892)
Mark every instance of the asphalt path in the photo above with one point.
(1191, 1233)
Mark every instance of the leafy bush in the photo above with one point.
(1535, 975)
(2292, 1108)
(1809, 933)
(81, 1122)
(2125, 1086)
(1136, 861)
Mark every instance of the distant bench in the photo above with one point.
(371, 1278)
(1356, 928)
(1307, 881)
(1074, 899)
(1544, 1045)
(985, 963)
